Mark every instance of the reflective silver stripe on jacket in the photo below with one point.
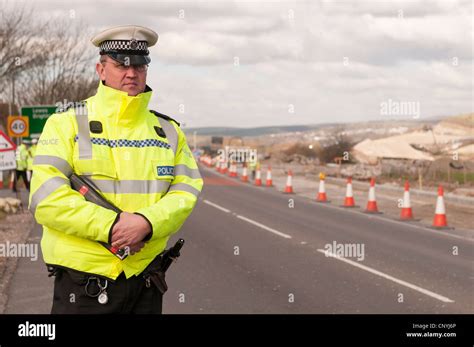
(59, 163)
(185, 188)
(45, 190)
(130, 186)
(171, 134)
(84, 138)
(183, 170)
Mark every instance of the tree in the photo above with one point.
(50, 60)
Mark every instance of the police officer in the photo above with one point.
(21, 165)
(138, 159)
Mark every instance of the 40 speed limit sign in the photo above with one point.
(18, 126)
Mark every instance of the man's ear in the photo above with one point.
(100, 71)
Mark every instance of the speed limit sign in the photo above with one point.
(18, 126)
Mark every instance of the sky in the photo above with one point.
(268, 63)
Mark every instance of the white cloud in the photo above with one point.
(292, 52)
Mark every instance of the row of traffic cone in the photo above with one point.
(406, 214)
(222, 168)
(258, 177)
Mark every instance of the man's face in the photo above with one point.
(130, 79)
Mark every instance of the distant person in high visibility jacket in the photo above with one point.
(21, 166)
(29, 160)
(253, 165)
(137, 159)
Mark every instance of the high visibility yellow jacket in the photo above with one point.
(21, 157)
(115, 141)
(31, 155)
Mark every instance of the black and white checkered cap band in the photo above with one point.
(124, 45)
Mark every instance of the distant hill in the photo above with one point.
(279, 129)
(225, 131)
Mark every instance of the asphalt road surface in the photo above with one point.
(256, 250)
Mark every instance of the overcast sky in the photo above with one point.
(262, 63)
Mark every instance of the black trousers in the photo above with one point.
(21, 174)
(129, 296)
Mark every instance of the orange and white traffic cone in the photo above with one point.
(372, 203)
(322, 189)
(231, 170)
(349, 200)
(258, 177)
(289, 183)
(269, 182)
(406, 213)
(234, 170)
(218, 166)
(245, 176)
(440, 220)
(1, 179)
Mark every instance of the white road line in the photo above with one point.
(381, 274)
(286, 236)
(216, 206)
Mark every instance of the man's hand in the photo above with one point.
(129, 230)
(137, 247)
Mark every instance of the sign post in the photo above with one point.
(17, 126)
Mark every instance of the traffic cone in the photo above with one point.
(289, 184)
(1, 179)
(258, 178)
(349, 200)
(406, 213)
(218, 166)
(245, 177)
(322, 189)
(372, 203)
(440, 220)
(269, 177)
(224, 167)
(233, 170)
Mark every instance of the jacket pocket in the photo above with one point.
(96, 167)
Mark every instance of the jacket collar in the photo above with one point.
(119, 107)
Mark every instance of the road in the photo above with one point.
(256, 250)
